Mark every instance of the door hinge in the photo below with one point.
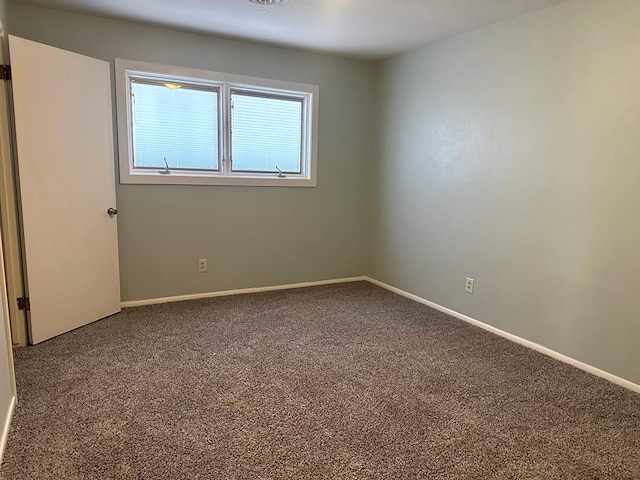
(5, 72)
(23, 303)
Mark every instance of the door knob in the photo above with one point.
(112, 212)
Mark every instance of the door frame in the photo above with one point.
(10, 214)
(6, 159)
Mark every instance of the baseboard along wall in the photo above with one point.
(6, 425)
(224, 293)
(514, 338)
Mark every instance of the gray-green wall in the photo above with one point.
(252, 236)
(512, 155)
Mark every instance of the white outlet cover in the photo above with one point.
(469, 285)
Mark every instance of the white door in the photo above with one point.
(64, 133)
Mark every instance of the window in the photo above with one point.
(185, 126)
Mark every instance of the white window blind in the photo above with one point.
(179, 124)
(266, 133)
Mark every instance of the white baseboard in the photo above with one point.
(4, 434)
(514, 338)
(224, 293)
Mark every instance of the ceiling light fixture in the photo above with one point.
(172, 86)
(265, 3)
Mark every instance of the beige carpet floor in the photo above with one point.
(346, 381)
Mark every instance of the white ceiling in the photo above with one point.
(365, 28)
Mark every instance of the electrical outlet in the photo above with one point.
(468, 286)
(202, 265)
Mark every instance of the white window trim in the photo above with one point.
(126, 68)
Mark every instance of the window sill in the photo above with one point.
(203, 179)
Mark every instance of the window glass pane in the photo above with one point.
(266, 133)
(180, 124)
